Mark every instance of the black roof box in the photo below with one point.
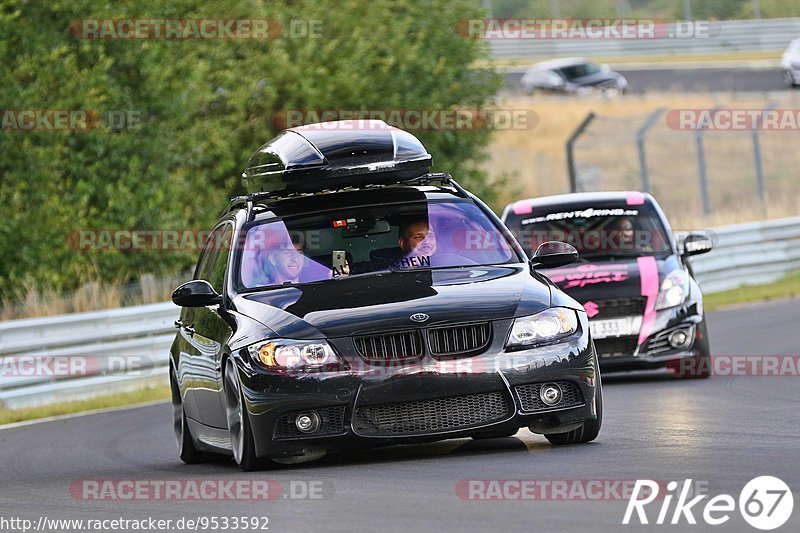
(332, 155)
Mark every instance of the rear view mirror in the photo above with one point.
(696, 244)
(196, 293)
(553, 254)
(364, 228)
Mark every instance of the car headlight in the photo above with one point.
(544, 327)
(674, 289)
(293, 354)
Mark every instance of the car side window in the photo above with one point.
(215, 257)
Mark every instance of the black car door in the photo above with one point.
(209, 332)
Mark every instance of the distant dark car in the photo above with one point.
(572, 76)
(634, 280)
(355, 299)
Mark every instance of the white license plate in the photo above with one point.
(616, 327)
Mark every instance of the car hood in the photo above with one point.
(611, 279)
(380, 302)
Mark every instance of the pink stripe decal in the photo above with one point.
(634, 198)
(523, 207)
(648, 270)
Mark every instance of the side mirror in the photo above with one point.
(196, 293)
(552, 254)
(696, 244)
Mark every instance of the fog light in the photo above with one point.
(307, 422)
(550, 394)
(679, 339)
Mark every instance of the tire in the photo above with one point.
(588, 430)
(187, 450)
(788, 77)
(241, 433)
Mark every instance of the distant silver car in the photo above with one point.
(573, 75)
(791, 64)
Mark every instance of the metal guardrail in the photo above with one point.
(770, 35)
(110, 351)
(752, 253)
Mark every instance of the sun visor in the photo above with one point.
(332, 155)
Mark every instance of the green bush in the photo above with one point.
(204, 107)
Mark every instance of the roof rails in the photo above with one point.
(250, 199)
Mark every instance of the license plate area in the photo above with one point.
(615, 327)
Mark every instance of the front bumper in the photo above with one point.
(655, 351)
(375, 405)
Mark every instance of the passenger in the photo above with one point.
(286, 262)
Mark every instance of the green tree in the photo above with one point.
(204, 107)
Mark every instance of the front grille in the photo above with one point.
(530, 401)
(457, 340)
(331, 418)
(387, 346)
(618, 308)
(431, 416)
(616, 346)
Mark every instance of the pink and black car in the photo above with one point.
(634, 279)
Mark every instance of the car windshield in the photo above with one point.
(362, 240)
(595, 232)
(580, 70)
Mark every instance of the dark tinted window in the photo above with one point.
(215, 257)
(595, 232)
(365, 239)
(579, 71)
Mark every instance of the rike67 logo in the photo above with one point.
(765, 503)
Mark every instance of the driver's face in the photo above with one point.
(625, 227)
(287, 264)
(418, 238)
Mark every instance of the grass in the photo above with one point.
(688, 59)
(30, 300)
(788, 287)
(150, 394)
(535, 157)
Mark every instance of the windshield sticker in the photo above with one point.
(414, 261)
(590, 275)
(586, 213)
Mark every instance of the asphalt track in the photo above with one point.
(721, 433)
(691, 80)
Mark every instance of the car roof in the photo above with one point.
(581, 200)
(559, 63)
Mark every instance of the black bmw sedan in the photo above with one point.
(634, 278)
(354, 299)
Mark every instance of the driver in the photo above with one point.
(629, 238)
(417, 239)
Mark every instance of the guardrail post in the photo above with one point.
(702, 169)
(760, 181)
(573, 175)
(640, 138)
